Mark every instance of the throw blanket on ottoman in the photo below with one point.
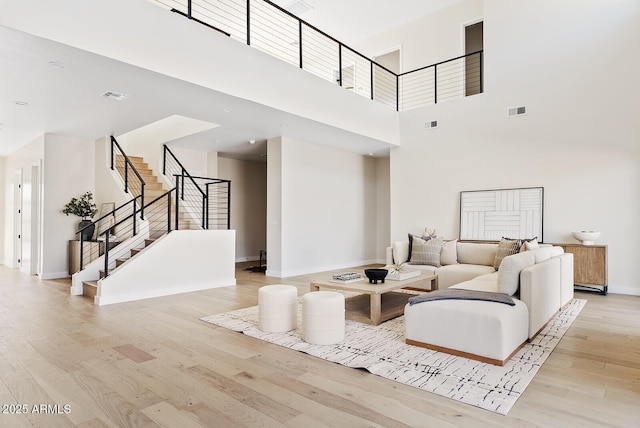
(460, 294)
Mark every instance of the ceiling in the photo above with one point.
(62, 88)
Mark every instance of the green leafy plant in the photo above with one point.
(83, 207)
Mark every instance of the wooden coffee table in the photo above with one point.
(377, 303)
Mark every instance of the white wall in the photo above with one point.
(182, 261)
(274, 207)
(327, 208)
(248, 205)
(579, 138)
(429, 39)
(383, 208)
(69, 165)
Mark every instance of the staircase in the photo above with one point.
(153, 189)
(157, 214)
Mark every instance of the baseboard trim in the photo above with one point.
(54, 275)
(630, 291)
(247, 259)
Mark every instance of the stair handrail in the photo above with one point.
(147, 206)
(111, 213)
(209, 182)
(128, 165)
(341, 46)
(184, 174)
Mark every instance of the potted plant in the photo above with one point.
(84, 208)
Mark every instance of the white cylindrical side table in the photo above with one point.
(277, 308)
(323, 317)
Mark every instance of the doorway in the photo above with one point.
(17, 219)
(384, 83)
(473, 42)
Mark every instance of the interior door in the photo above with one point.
(17, 219)
(473, 42)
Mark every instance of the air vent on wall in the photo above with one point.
(299, 7)
(517, 111)
(115, 95)
(431, 125)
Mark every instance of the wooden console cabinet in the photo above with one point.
(589, 266)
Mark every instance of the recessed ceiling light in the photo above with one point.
(56, 64)
(252, 141)
(21, 103)
(115, 95)
(226, 109)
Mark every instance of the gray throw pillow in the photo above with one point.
(426, 252)
(506, 247)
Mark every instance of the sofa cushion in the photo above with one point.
(449, 253)
(506, 247)
(487, 282)
(400, 251)
(509, 272)
(426, 252)
(475, 253)
(453, 274)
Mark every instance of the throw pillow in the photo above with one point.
(411, 236)
(506, 247)
(426, 252)
(509, 272)
(449, 253)
(524, 242)
(530, 245)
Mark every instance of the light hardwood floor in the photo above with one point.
(153, 363)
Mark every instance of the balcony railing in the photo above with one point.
(274, 30)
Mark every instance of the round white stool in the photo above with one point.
(323, 317)
(277, 308)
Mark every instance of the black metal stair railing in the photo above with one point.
(264, 25)
(206, 199)
(162, 216)
(133, 182)
(122, 220)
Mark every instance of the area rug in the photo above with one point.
(382, 351)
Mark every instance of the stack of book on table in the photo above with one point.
(346, 277)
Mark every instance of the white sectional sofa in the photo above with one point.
(540, 282)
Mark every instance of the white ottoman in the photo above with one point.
(485, 331)
(277, 308)
(323, 317)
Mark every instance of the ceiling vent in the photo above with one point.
(517, 111)
(299, 7)
(431, 125)
(115, 95)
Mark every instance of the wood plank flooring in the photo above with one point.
(153, 363)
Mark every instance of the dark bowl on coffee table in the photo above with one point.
(376, 275)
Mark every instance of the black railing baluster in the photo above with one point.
(249, 22)
(435, 84)
(397, 93)
(189, 9)
(300, 41)
(177, 216)
(169, 209)
(228, 205)
(81, 249)
(371, 72)
(340, 64)
(106, 253)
